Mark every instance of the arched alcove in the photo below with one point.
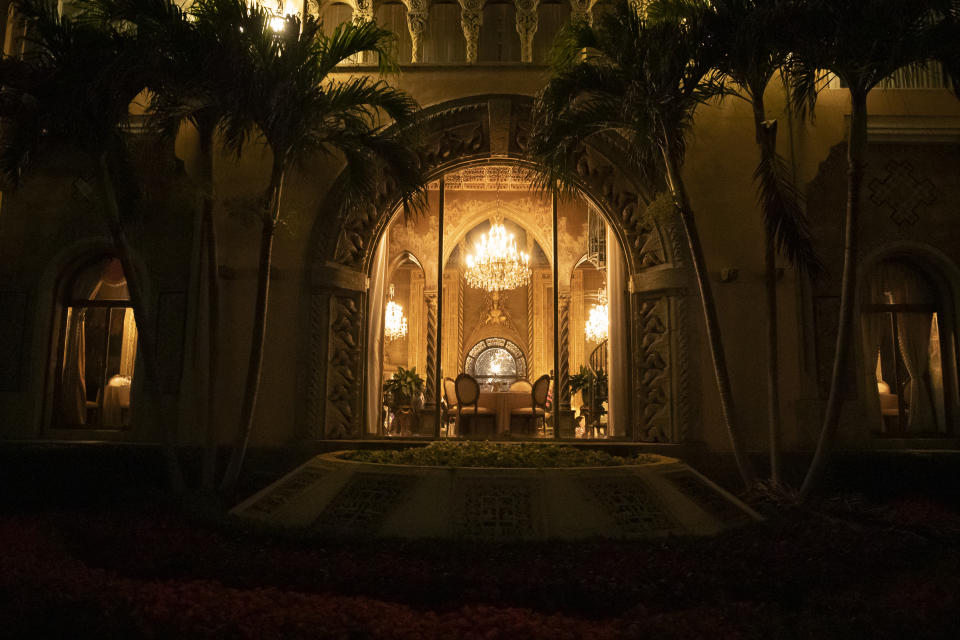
(659, 399)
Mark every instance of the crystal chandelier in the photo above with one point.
(599, 320)
(496, 264)
(395, 324)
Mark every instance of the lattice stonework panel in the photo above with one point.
(631, 504)
(287, 489)
(364, 503)
(652, 383)
(344, 379)
(901, 194)
(494, 509)
(707, 498)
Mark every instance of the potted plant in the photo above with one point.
(403, 395)
(593, 385)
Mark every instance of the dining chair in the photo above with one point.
(537, 411)
(450, 405)
(521, 385)
(468, 393)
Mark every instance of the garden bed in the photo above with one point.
(498, 455)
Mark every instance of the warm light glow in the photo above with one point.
(599, 320)
(496, 264)
(277, 23)
(395, 324)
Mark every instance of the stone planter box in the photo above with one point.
(341, 497)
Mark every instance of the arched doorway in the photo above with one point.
(468, 138)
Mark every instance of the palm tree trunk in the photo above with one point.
(767, 141)
(773, 359)
(146, 336)
(856, 157)
(709, 308)
(255, 362)
(209, 464)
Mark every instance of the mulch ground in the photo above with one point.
(846, 569)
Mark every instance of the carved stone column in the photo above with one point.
(582, 11)
(564, 377)
(431, 374)
(363, 11)
(577, 314)
(471, 17)
(417, 13)
(527, 23)
(640, 6)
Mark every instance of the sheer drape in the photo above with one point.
(617, 297)
(377, 296)
(936, 375)
(872, 325)
(73, 384)
(914, 329)
(128, 350)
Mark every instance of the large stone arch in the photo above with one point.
(495, 128)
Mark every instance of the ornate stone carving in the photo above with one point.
(631, 504)
(652, 368)
(431, 373)
(901, 193)
(582, 11)
(687, 402)
(471, 18)
(417, 13)
(527, 23)
(343, 368)
(626, 206)
(363, 11)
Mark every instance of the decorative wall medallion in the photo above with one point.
(364, 503)
(899, 191)
(494, 509)
(707, 498)
(652, 368)
(343, 371)
(287, 489)
(631, 504)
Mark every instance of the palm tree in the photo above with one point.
(747, 44)
(640, 80)
(284, 95)
(862, 42)
(180, 52)
(74, 87)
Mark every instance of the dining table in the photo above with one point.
(502, 403)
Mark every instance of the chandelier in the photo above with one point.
(496, 264)
(395, 324)
(599, 320)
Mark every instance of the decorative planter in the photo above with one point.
(341, 497)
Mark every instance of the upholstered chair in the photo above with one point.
(536, 414)
(468, 393)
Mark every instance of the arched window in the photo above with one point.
(906, 345)
(98, 350)
(496, 361)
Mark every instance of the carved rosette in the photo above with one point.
(527, 23)
(582, 11)
(651, 364)
(564, 377)
(431, 373)
(417, 13)
(342, 414)
(471, 18)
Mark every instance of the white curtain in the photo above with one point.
(128, 350)
(936, 375)
(618, 296)
(73, 383)
(914, 329)
(872, 325)
(376, 295)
